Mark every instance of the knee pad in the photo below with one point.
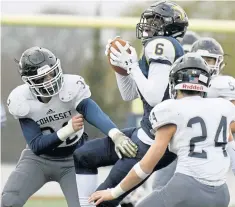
(11, 199)
(84, 164)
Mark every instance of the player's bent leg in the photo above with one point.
(162, 177)
(87, 158)
(123, 166)
(118, 172)
(68, 184)
(121, 169)
(24, 181)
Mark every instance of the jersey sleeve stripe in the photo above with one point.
(167, 62)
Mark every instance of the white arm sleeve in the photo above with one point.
(152, 88)
(231, 152)
(127, 87)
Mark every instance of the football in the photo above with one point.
(119, 70)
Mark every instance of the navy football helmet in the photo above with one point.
(163, 18)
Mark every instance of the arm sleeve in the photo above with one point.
(95, 116)
(127, 87)
(152, 88)
(38, 142)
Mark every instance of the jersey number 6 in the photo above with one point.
(159, 49)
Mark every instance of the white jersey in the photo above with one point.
(55, 114)
(203, 126)
(222, 86)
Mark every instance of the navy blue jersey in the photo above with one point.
(164, 50)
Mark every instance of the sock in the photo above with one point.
(86, 185)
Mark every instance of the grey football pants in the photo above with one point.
(163, 176)
(32, 172)
(185, 191)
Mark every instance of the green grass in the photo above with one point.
(51, 202)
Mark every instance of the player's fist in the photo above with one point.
(77, 122)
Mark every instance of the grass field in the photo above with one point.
(56, 202)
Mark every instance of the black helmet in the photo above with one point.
(189, 72)
(41, 71)
(189, 38)
(208, 47)
(162, 19)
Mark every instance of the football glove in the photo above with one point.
(107, 47)
(123, 59)
(124, 145)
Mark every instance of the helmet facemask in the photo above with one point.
(150, 25)
(48, 81)
(218, 65)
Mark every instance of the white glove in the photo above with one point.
(123, 59)
(107, 47)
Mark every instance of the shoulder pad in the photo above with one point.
(17, 102)
(160, 50)
(164, 113)
(73, 85)
(222, 86)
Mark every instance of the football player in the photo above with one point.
(50, 107)
(196, 132)
(212, 52)
(224, 87)
(158, 29)
(189, 38)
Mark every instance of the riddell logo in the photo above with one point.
(192, 87)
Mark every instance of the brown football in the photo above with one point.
(119, 70)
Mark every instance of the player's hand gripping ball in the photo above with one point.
(111, 43)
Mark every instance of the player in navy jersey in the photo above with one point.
(158, 29)
(50, 107)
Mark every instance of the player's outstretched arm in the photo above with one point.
(96, 117)
(40, 143)
(142, 169)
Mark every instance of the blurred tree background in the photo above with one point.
(81, 51)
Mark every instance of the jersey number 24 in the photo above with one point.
(222, 128)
